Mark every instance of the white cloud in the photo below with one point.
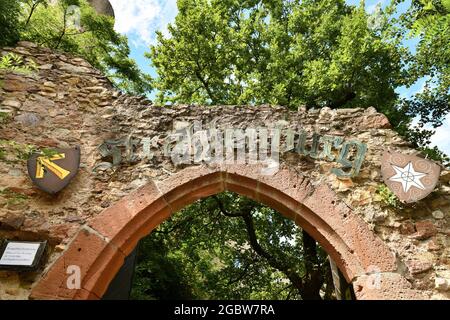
(139, 19)
(441, 138)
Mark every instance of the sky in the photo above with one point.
(140, 19)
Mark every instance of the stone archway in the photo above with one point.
(68, 103)
(101, 245)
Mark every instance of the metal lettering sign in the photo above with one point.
(409, 177)
(52, 173)
(192, 143)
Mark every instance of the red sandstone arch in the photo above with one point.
(100, 247)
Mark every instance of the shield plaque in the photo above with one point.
(409, 177)
(52, 173)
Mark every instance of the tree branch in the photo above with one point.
(295, 279)
(224, 211)
(204, 82)
(32, 8)
(241, 276)
(306, 291)
(64, 29)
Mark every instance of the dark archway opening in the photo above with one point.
(229, 247)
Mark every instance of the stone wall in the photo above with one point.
(68, 103)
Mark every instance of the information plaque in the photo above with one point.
(21, 255)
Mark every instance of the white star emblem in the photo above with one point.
(408, 177)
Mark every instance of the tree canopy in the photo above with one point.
(429, 22)
(9, 14)
(317, 53)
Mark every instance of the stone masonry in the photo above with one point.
(68, 103)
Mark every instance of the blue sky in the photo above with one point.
(140, 19)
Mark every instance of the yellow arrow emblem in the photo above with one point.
(47, 163)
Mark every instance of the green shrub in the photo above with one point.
(12, 62)
(388, 197)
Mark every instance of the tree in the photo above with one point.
(429, 22)
(230, 247)
(74, 26)
(317, 53)
(9, 13)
